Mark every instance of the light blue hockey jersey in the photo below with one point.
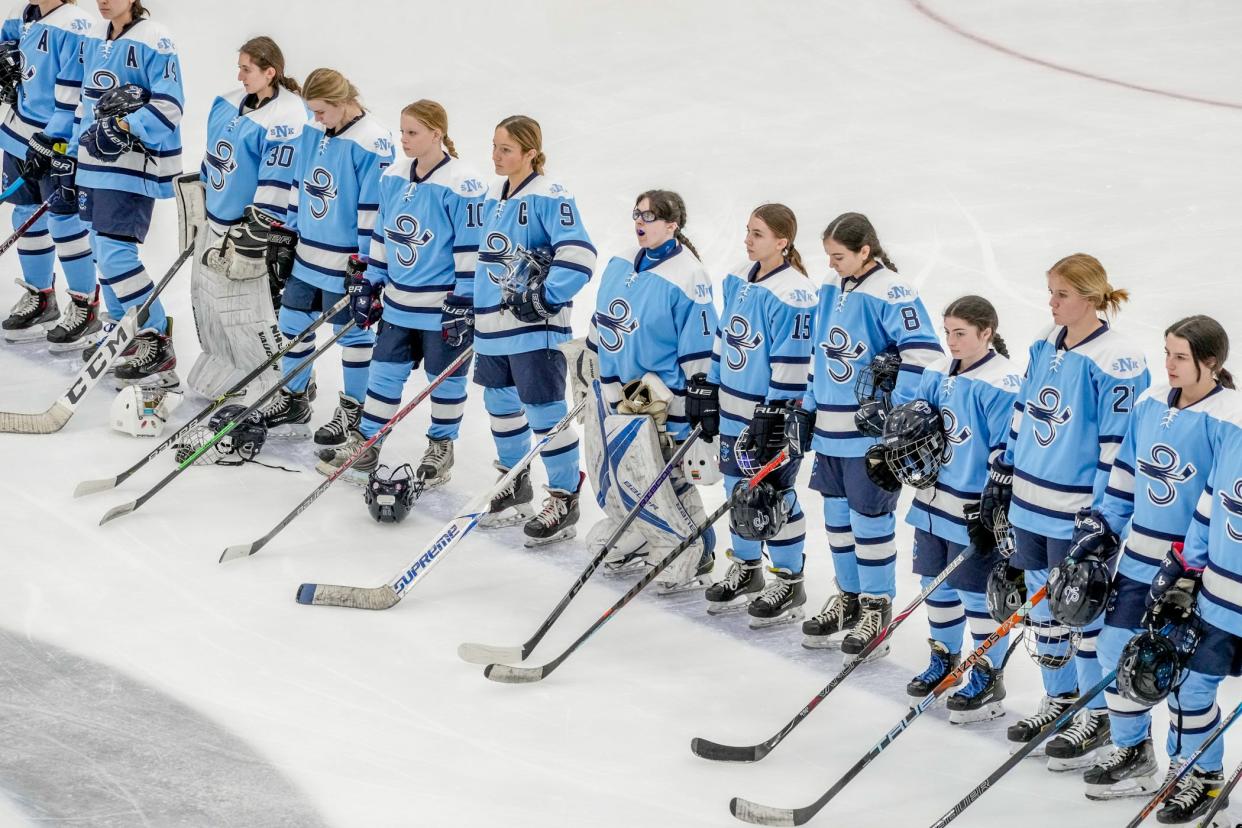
(335, 197)
(540, 212)
(658, 318)
(426, 239)
(1214, 539)
(249, 158)
(858, 319)
(976, 406)
(143, 54)
(1068, 424)
(1159, 472)
(763, 345)
(51, 86)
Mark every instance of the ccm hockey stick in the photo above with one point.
(387, 595)
(243, 550)
(483, 654)
(54, 419)
(757, 814)
(1184, 769)
(1220, 803)
(134, 505)
(525, 675)
(87, 487)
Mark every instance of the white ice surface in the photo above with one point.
(979, 169)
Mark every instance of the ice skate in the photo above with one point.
(701, 578)
(874, 617)
(108, 327)
(346, 417)
(1076, 746)
(781, 601)
(942, 663)
(980, 700)
(1128, 771)
(1024, 730)
(288, 414)
(154, 361)
(78, 325)
(32, 315)
(435, 469)
(1191, 799)
(741, 583)
(332, 459)
(511, 505)
(839, 615)
(557, 520)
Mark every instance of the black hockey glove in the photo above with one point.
(122, 100)
(530, 304)
(457, 320)
(1092, 536)
(63, 200)
(1171, 598)
(799, 430)
(766, 432)
(869, 418)
(39, 154)
(281, 245)
(365, 299)
(982, 538)
(996, 494)
(703, 405)
(876, 460)
(107, 140)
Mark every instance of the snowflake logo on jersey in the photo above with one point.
(1233, 505)
(499, 250)
(404, 233)
(320, 188)
(739, 338)
(219, 163)
(952, 433)
(840, 349)
(1048, 414)
(1163, 471)
(615, 324)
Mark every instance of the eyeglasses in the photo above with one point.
(647, 216)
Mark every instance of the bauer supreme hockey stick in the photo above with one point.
(134, 505)
(524, 675)
(387, 595)
(483, 654)
(111, 347)
(243, 550)
(87, 487)
(757, 814)
(1185, 768)
(1222, 799)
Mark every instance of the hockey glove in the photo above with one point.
(703, 405)
(1092, 536)
(869, 418)
(996, 494)
(365, 299)
(282, 243)
(876, 460)
(63, 200)
(457, 320)
(39, 154)
(10, 71)
(767, 431)
(530, 304)
(1171, 598)
(107, 140)
(982, 538)
(799, 430)
(120, 101)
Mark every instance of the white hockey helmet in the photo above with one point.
(142, 412)
(701, 464)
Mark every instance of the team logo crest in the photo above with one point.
(954, 436)
(1164, 473)
(841, 353)
(320, 188)
(219, 163)
(406, 237)
(102, 81)
(1048, 415)
(615, 324)
(740, 340)
(498, 250)
(1233, 505)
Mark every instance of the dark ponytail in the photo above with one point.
(138, 11)
(1209, 344)
(980, 313)
(784, 224)
(854, 232)
(669, 206)
(267, 55)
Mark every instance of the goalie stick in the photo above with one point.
(757, 814)
(386, 596)
(54, 419)
(134, 505)
(243, 550)
(484, 654)
(87, 487)
(524, 675)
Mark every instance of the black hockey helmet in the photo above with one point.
(869, 418)
(1151, 666)
(390, 493)
(875, 461)
(1003, 530)
(877, 379)
(759, 512)
(11, 66)
(122, 100)
(1078, 590)
(1006, 591)
(244, 441)
(914, 443)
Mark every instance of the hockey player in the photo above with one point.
(423, 252)
(759, 370)
(40, 55)
(519, 326)
(1081, 384)
(973, 390)
(652, 330)
(130, 151)
(865, 310)
(1156, 479)
(337, 163)
(249, 161)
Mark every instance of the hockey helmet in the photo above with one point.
(758, 512)
(390, 493)
(1006, 591)
(1078, 590)
(1003, 529)
(869, 418)
(243, 442)
(877, 379)
(914, 443)
(120, 101)
(11, 66)
(1152, 664)
(142, 411)
(876, 463)
(522, 268)
(701, 463)
(750, 456)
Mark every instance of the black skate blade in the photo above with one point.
(707, 749)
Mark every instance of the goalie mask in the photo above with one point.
(143, 412)
(757, 513)
(914, 443)
(390, 494)
(701, 463)
(1152, 664)
(242, 444)
(876, 380)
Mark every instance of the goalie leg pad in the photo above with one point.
(191, 207)
(583, 371)
(214, 371)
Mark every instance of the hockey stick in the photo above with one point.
(525, 675)
(24, 226)
(12, 189)
(387, 595)
(483, 654)
(134, 505)
(1184, 768)
(753, 753)
(1218, 804)
(243, 550)
(87, 487)
(757, 814)
(54, 419)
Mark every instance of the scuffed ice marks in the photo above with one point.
(82, 744)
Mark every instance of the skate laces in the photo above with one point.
(1120, 756)
(1049, 710)
(1082, 730)
(338, 426)
(936, 670)
(277, 406)
(76, 314)
(1189, 791)
(147, 350)
(28, 302)
(775, 592)
(734, 577)
(437, 452)
(554, 508)
(834, 609)
(979, 678)
(869, 624)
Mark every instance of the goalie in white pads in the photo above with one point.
(652, 330)
(249, 161)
